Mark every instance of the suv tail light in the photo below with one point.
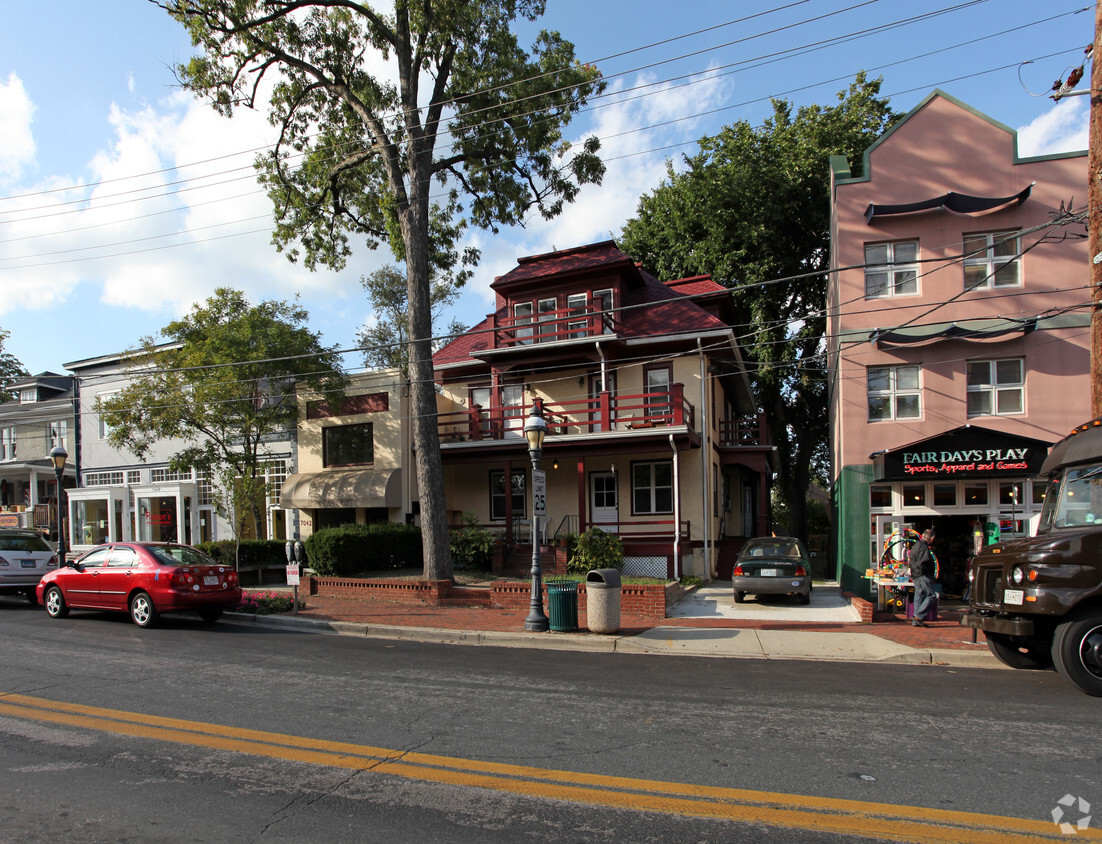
(52, 562)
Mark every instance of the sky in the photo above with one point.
(124, 201)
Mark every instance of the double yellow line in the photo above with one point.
(884, 821)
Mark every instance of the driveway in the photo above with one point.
(716, 600)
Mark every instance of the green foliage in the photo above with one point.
(11, 369)
(252, 552)
(223, 385)
(386, 343)
(753, 206)
(349, 550)
(688, 580)
(596, 549)
(472, 545)
(269, 603)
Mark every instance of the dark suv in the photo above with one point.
(1039, 600)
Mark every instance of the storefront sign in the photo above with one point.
(968, 452)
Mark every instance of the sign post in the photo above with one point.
(539, 510)
(293, 573)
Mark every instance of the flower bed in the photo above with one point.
(268, 603)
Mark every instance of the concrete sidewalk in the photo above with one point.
(941, 643)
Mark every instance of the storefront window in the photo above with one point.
(157, 519)
(975, 494)
(90, 521)
(1039, 492)
(914, 495)
(880, 497)
(945, 495)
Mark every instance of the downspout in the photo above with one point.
(676, 512)
(604, 368)
(705, 461)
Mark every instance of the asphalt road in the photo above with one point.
(194, 733)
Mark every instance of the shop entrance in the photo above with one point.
(954, 549)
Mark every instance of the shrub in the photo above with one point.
(353, 549)
(688, 580)
(596, 549)
(269, 603)
(472, 545)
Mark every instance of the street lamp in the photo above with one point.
(58, 456)
(535, 429)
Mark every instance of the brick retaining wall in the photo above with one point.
(648, 600)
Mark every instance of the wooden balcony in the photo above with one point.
(553, 326)
(744, 431)
(601, 414)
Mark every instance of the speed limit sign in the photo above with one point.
(539, 491)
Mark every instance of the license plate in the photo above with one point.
(1013, 596)
(28, 564)
(210, 580)
(768, 572)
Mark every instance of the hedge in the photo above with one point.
(352, 549)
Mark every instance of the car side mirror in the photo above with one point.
(76, 565)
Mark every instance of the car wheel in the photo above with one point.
(1020, 652)
(1077, 651)
(55, 603)
(142, 611)
(805, 598)
(739, 596)
(210, 616)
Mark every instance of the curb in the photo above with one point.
(585, 642)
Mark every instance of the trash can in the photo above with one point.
(562, 604)
(602, 590)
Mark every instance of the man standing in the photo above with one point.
(922, 575)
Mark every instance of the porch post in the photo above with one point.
(763, 504)
(582, 511)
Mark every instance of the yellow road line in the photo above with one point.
(884, 821)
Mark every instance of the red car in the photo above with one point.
(144, 579)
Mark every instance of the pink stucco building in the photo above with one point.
(958, 331)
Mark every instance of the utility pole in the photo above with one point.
(1094, 211)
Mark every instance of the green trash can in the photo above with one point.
(562, 602)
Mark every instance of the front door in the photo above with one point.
(604, 507)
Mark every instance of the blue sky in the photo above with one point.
(123, 201)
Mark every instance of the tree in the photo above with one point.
(224, 384)
(460, 104)
(386, 343)
(11, 370)
(752, 208)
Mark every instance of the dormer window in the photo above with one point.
(28, 395)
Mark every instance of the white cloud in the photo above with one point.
(1063, 128)
(17, 146)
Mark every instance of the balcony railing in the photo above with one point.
(745, 431)
(603, 413)
(551, 326)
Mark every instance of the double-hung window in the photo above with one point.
(522, 322)
(992, 259)
(7, 443)
(996, 387)
(58, 434)
(891, 269)
(652, 487)
(894, 392)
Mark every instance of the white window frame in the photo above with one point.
(523, 319)
(986, 257)
(651, 487)
(896, 272)
(57, 433)
(604, 303)
(996, 386)
(893, 392)
(7, 443)
(104, 427)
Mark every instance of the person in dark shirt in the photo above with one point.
(922, 575)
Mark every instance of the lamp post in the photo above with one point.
(58, 456)
(535, 429)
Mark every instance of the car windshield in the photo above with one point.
(179, 555)
(774, 549)
(27, 543)
(1075, 499)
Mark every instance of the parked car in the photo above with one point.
(24, 557)
(773, 565)
(144, 579)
